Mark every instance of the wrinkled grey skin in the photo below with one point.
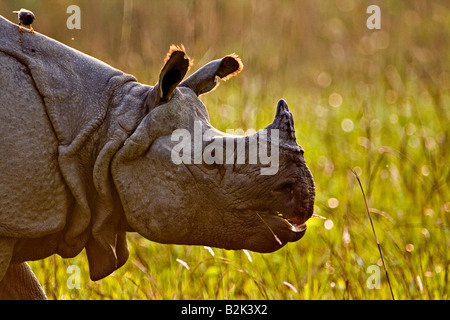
(85, 156)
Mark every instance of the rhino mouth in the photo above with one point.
(283, 221)
(296, 227)
(293, 226)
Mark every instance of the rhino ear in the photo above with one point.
(204, 79)
(176, 65)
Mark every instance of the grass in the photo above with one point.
(374, 233)
(375, 101)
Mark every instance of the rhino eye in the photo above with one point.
(286, 188)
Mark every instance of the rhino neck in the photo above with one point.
(106, 248)
(126, 110)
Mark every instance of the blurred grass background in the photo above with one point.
(376, 101)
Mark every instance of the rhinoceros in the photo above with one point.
(87, 154)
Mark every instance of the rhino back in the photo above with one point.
(33, 197)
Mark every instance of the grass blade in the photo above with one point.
(273, 233)
(374, 233)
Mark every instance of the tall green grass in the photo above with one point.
(373, 101)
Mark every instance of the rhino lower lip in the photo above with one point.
(298, 228)
(295, 227)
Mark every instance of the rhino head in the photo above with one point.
(181, 181)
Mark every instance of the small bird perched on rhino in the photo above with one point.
(26, 18)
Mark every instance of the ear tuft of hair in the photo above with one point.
(174, 48)
(231, 63)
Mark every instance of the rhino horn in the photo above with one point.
(284, 122)
(204, 79)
